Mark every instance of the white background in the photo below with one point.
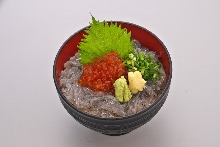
(31, 33)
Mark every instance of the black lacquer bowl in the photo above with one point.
(123, 125)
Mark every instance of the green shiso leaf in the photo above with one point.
(102, 38)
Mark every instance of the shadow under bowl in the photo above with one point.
(123, 125)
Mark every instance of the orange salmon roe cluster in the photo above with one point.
(101, 74)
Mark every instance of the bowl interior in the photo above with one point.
(145, 37)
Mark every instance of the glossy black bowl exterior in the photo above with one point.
(123, 125)
(115, 126)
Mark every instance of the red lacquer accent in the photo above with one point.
(145, 37)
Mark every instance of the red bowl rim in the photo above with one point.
(115, 118)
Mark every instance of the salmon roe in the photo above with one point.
(101, 74)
